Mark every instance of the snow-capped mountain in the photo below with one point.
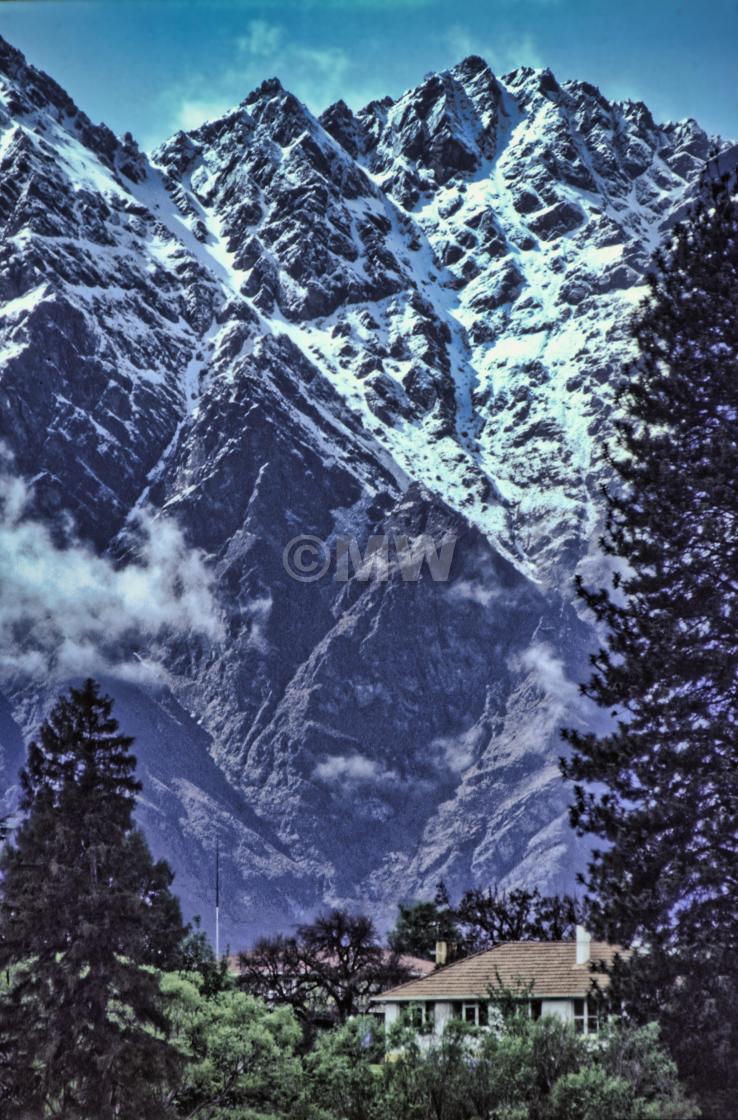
(404, 321)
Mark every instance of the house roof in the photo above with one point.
(550, 966)
(419, 965)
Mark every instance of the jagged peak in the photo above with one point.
(686, 123)
(338, 108)
(340, 122)
(478, 82)
(519, 75)
(179, 151)
(233, 118)
(34, 86)
(275, 107)
(454, 86)
(577, 89)
(10, 55)
(637, 111)
(269, 104)
(547, 81)
(473, 65)
(420, 99)
(377, 109)
(30, 91)
(476, 77)
(533, 79)
(270, 87)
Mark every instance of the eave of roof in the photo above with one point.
(548, 966)
(385, 998)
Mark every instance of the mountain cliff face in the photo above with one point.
(403, 323)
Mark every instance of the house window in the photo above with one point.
(586, 1016)
(418, 1015)
(411, 1015)
(536, 1007)
(475, 1013)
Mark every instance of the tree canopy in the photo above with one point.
(660, 787)
(86, 915)
(326, 972)
(483, 917)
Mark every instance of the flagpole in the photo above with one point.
(217, 899)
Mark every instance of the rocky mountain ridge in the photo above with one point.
(404, 321)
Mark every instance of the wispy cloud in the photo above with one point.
(560, 694)
(457, 752)
(473, 591)
(263, 39)
(194, 111)
(255, 615)
(317, 75)
(504, 54)
(352, 769)
(480, 585)
(66, 611)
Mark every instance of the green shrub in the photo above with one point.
(240, 1058)
(593, 1094)
(342, 1077)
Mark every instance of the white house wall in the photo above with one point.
(444, 1013)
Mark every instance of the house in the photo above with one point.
(553, 977)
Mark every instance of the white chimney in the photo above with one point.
(441, 953)
(583, 940)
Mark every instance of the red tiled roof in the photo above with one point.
(550, 966)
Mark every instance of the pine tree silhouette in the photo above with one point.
(661, 787)
(84, 907)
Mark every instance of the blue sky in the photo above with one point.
(152, 66)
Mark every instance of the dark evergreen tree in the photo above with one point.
(196, 954)
(661, 786)
(488, 917)
(84, 908)
(420, 925)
